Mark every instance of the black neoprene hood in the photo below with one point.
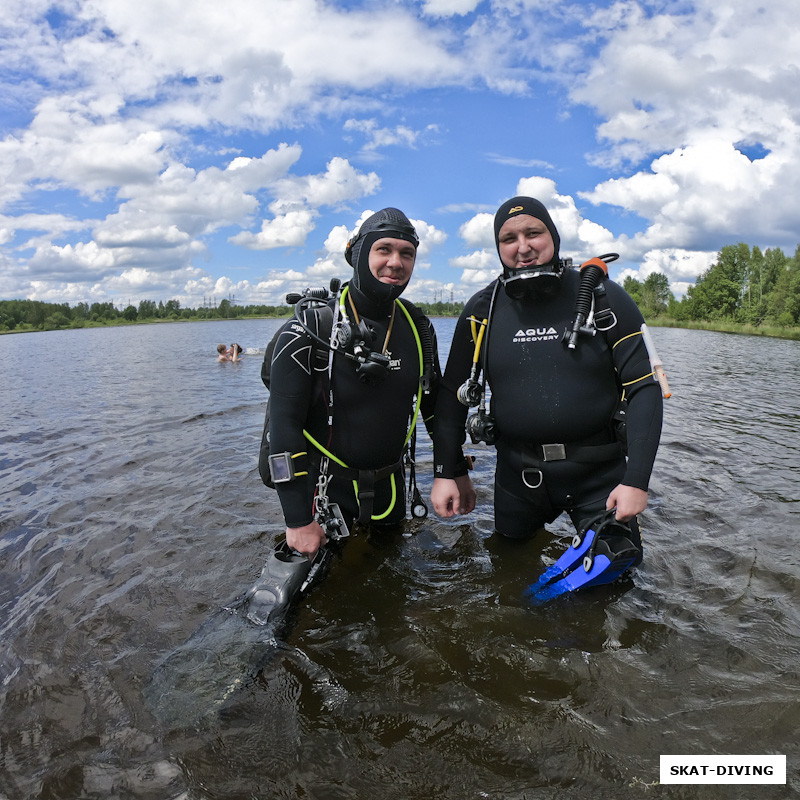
(525, 205)
(388, 222)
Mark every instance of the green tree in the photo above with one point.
(717, 293)
(130, 313)
(677, 309)
(655, 294)
(103, 311)
(784, 300)
(35, 313)
(147, 309)
(56, 320)
(634, 289)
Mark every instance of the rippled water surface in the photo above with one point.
(133, 517)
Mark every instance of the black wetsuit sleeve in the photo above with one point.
(642, 392)
(451, 415)
(293, 389)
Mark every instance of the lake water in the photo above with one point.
(132, 515)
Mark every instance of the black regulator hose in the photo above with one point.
(593, 272)
(426, 340)
(426, 344)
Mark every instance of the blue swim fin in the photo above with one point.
(569, 559)
(598, 555)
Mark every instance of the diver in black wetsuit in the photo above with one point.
(552, 407)
(353, 420)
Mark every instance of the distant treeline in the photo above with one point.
(745, 287)
(34, 315)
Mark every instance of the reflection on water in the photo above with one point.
(133, 515)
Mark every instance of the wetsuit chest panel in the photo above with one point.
(544, 391)
(370, 422)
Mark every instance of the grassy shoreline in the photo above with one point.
(117, 323)
(725, 326)
(718, 326)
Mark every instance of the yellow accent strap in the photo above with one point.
(323, 450)
(636, 333)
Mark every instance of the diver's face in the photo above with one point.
(525, 242)
(392, 260)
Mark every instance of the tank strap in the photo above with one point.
(604, 317)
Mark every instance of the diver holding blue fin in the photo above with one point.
(599, 554)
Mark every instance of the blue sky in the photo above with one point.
(155, 150)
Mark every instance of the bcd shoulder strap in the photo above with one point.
(604, 317)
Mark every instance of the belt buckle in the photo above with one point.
(553, 452)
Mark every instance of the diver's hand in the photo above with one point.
(447, 499)
(306, 540)
(467, 492)
(628, 501)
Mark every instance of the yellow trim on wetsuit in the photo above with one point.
(322, 450)
(411, 427)
(391, 504)
(341, 463)
(635, 333)
(297, 455)
(644, 377)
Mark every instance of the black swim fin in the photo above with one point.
(284, 577)
(287, 573)
(599, 554)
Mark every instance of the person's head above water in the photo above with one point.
(527, 242)
(382, 255)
